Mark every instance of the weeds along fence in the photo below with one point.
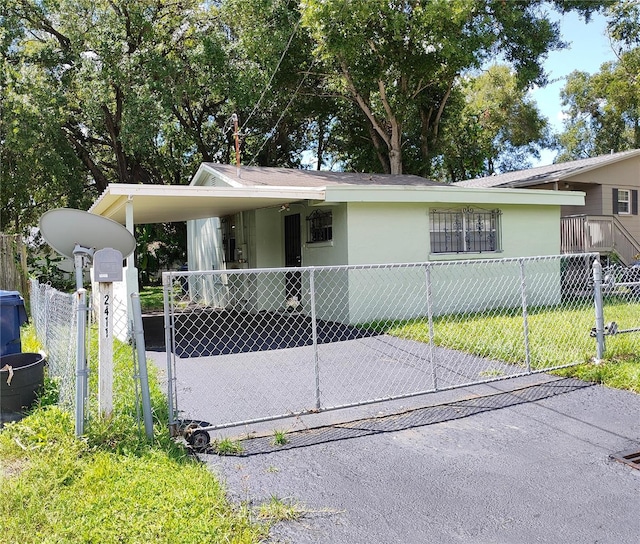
(55, 316)
(252, 345)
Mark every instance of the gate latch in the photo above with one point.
(610, 329)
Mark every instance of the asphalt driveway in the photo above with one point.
(519, 461)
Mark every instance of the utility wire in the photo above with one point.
(268, 86)
(284, 111)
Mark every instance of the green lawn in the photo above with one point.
(151, 299)
(112, 485)
(557, 336)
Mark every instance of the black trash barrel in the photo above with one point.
(12, 316)
(21, 375)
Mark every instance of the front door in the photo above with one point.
(292, 254)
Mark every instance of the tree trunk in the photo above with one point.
(395, 161)
(380, 147)
(321, 129)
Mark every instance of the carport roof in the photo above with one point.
(217, 190)
(170, 203)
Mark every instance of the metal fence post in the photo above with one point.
(597, 296)
(81, 361)
(314, 333)
(167, 285)
(434, 374)
(525, 315)
(143, 375)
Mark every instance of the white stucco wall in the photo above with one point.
(381, 233)
(264, 230)
(530, 231)
(266, 237)
(399, 233)
(387, 233)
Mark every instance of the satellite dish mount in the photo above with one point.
(80, 236)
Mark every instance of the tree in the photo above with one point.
(603, 109)
(401, 61)
(496, 128)
(292, 109)
(38, 168)
(99, 92)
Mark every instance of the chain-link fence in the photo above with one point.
(55, 318)
(253, 345)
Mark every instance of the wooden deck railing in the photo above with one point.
(598, 233)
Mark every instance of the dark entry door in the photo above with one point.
(293, 254)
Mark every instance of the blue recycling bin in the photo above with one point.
(12, 316)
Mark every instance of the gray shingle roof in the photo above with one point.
(547, 174)
(289, 177)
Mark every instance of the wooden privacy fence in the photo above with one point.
(13, 272)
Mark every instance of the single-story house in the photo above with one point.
(608, 222)
(337, 218)
(257, 218)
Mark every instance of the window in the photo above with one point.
(319, 226)
(465, 230)
(624, 200)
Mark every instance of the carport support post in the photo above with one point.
(131, 273)
(597, 296)
(314, 335)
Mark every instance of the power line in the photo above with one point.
(284, 111)
(268, 86)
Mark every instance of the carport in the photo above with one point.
(131, 205)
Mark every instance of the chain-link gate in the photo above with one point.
(251, 345)
(618, 297)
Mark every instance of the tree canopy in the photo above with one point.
(140, 91)
(603, 109)
(401, 62)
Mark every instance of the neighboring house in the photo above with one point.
(256, 217)
(609, 222)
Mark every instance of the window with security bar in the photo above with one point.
(465, 230)
(319, 226)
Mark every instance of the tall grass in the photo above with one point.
(112, 485)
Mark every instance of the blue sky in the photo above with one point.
(588, 49)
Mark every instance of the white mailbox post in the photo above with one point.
(107, 268)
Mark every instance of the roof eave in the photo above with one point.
(455, 195)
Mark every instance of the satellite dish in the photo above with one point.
(64, 229)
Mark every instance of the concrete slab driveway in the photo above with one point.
(519, 461)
